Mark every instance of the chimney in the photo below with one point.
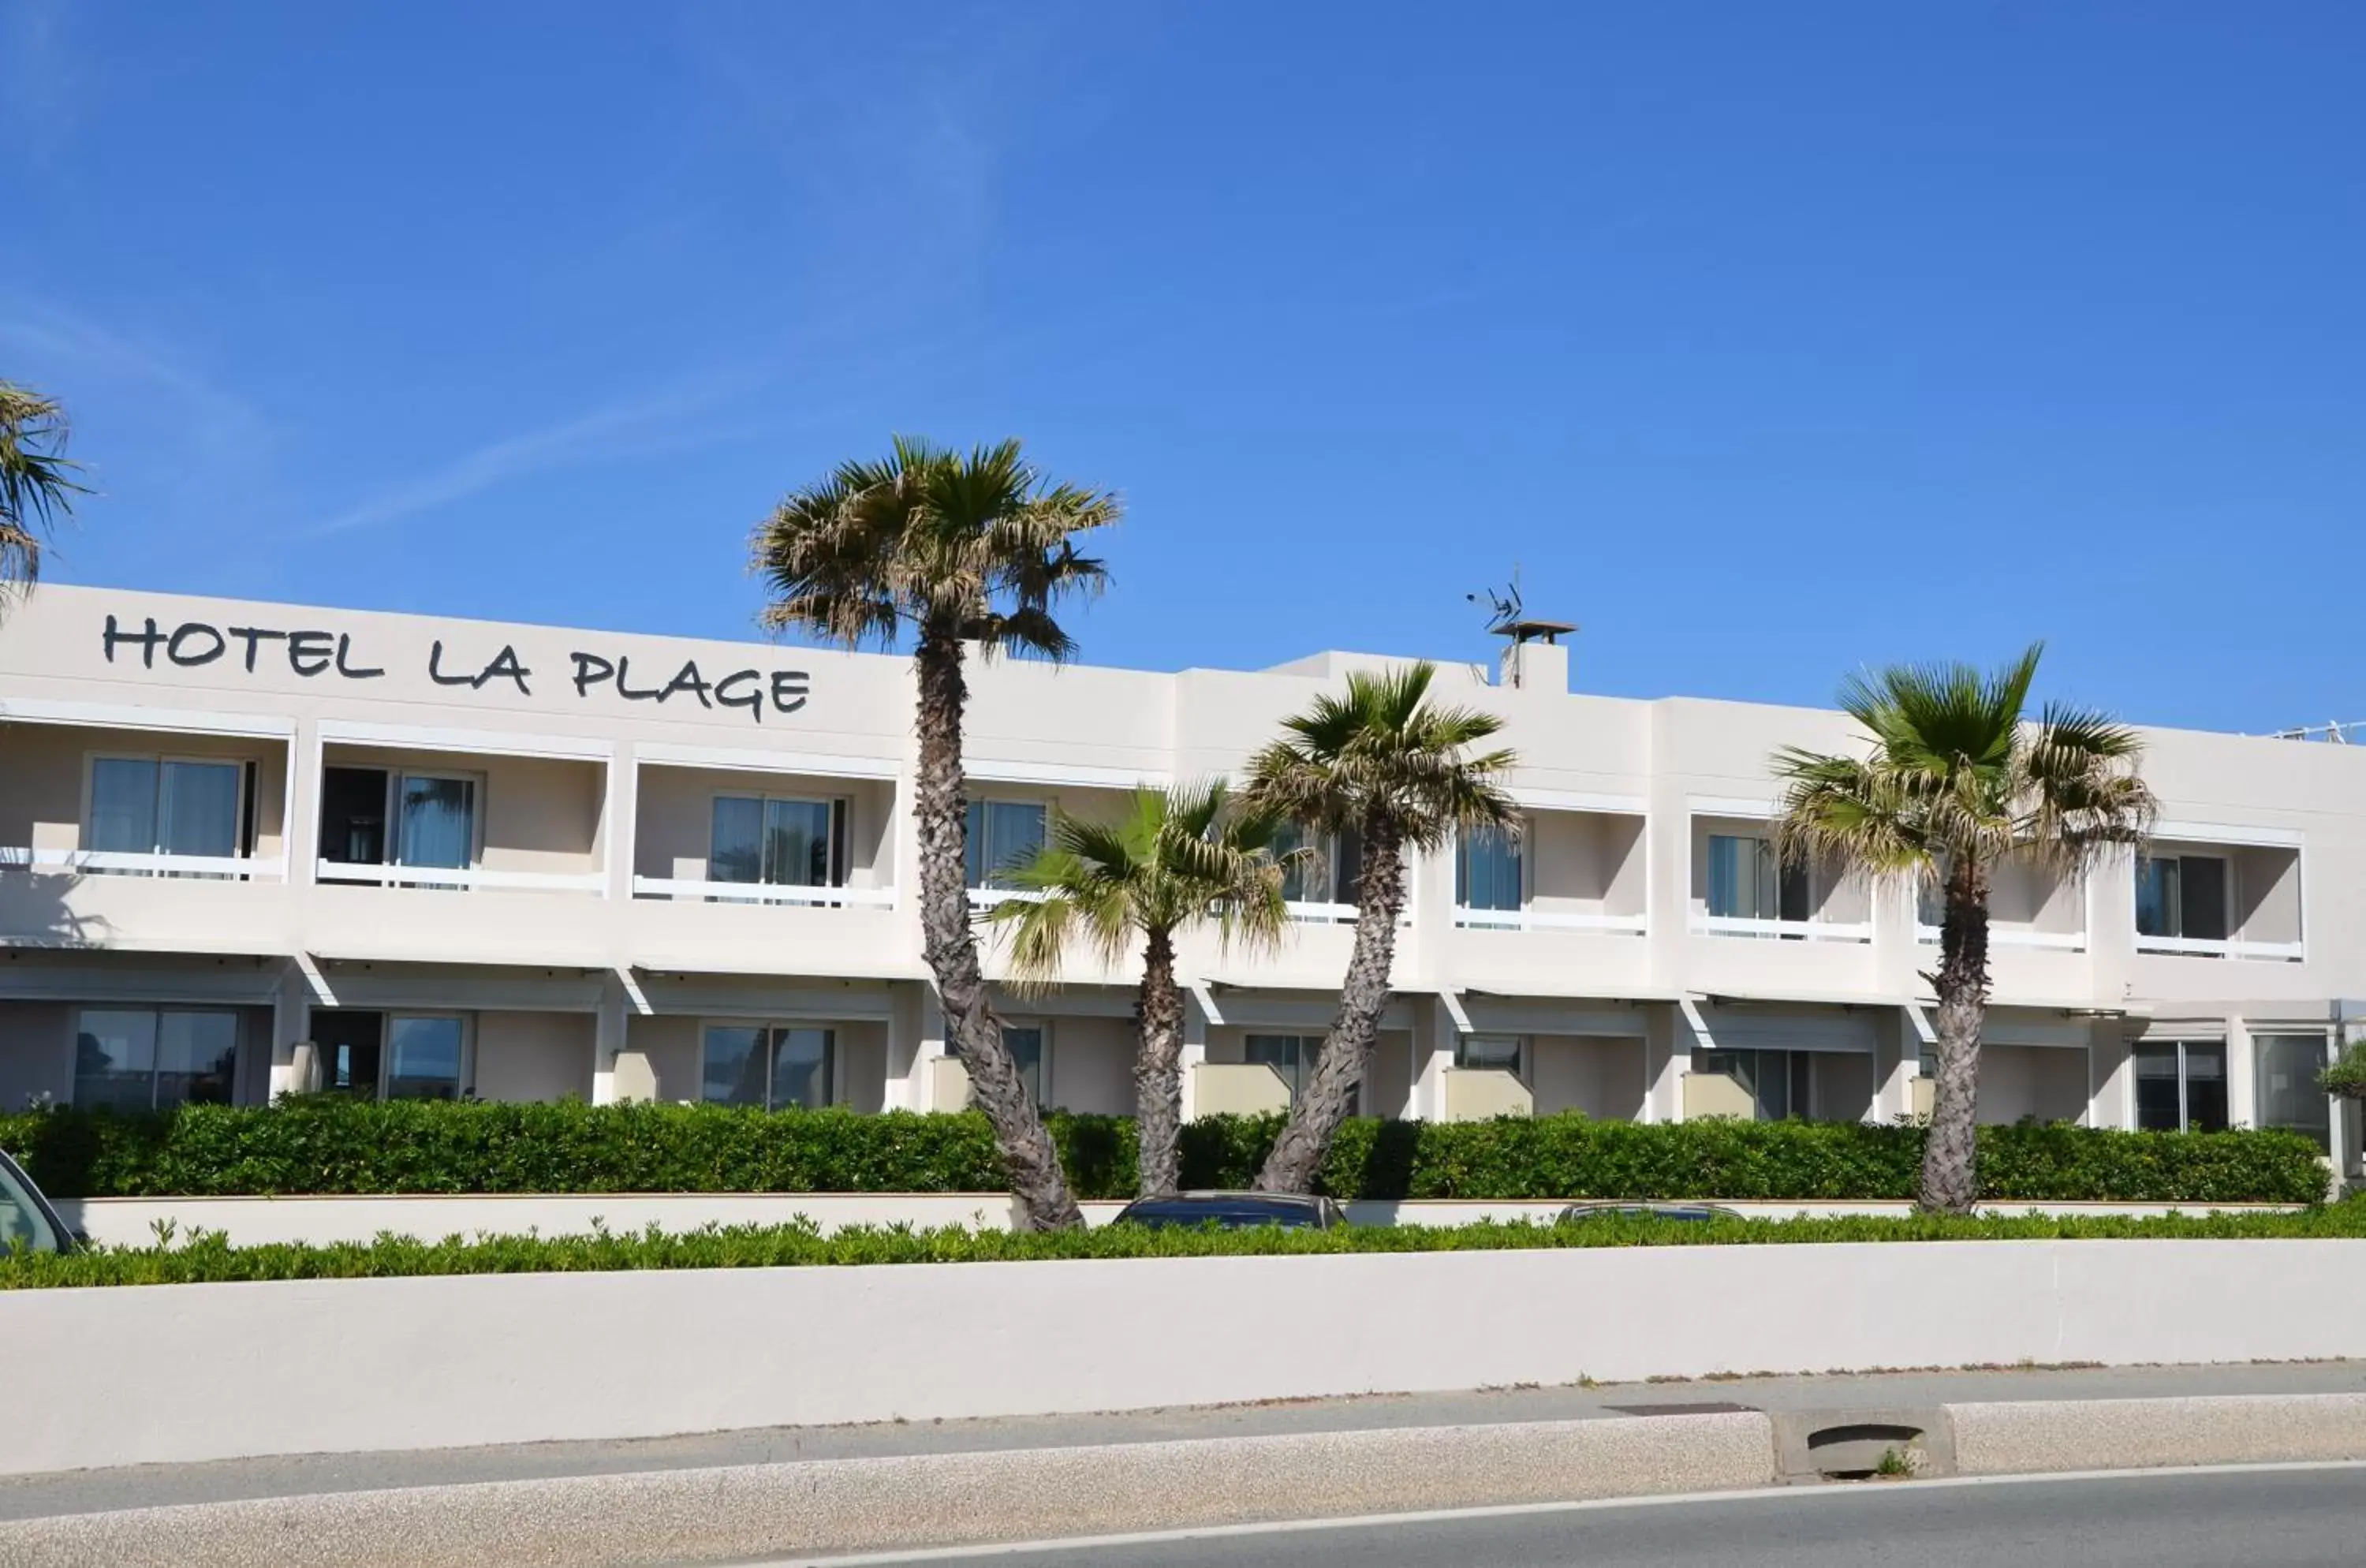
(1535, 666)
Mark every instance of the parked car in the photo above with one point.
(26, 1218)
(1236, 1211)
(1647, 1211)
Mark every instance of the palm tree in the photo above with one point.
(1955, 784)
(977, 549)
(37, 485)
(1175, 858)
(1386, 763)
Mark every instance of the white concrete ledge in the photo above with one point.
(2040, 1436)
(320, 1220)
(131, 1375)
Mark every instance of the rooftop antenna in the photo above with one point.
(1508, 618)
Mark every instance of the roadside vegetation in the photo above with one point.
(209, 1259)
(327, 1143)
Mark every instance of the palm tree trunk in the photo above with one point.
(1158, 1070)
(1950, 1172)
(942, 806)
(1314, 1117)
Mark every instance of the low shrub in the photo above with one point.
(333, 1144)
(209, 1259)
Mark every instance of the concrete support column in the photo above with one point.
(618, 811)
(2242, 1076)
(1433, 1056)
(300, 818)
(2110, 1103)
(291, 1024)
(1195, 1053)
(608, 1040)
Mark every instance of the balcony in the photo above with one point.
(440, 851)
(732, 866)
(2203, 892)
(1762, 926)
(163, 838)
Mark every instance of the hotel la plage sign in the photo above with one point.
(330, 658)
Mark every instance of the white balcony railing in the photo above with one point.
(988, 897)
(1547, 920)
(2018, 936)
(122, 863)
(461, 878)
(1797, 931)
(2230, 947)
(762, 893)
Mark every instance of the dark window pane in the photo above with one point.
(1487, 871)
(352, 815)
(734, 1069)
(796, 842)
(1026, 1048)
(196, 1053)
(196, 809)
(2205, 1087)
(114, 1059)
(801, 1068)
(735, 852)
(2156, 1099)
(123, 805)
(2204, 897)
(422, 1058)
(2157, 898)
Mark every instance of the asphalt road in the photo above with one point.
(2259, 1518)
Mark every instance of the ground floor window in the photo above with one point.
(772, 1066)
(2181, 1086)
(1498, 1053)
(145, 1058)
(393, 1055)
(1781, 1083)
(2288, 1095)
(1293, 1056)
(1026, 1045)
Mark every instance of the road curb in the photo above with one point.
(2036, 1435)
(868, 1504)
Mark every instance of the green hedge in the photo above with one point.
(209, 1259)
(329, 1144)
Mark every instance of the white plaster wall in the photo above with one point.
(1092, 1065)
(670, 1042)
(36, 1051)
(1601, 1076)
(533, 1056)
(2044, 1081)
(181, 1373)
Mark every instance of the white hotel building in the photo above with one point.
(250, 847)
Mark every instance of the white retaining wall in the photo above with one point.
(126, 1375)
(252, 1221)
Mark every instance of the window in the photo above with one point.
(1781, 1083)
(1331, 874)
(1747, 882)
(142, 1059)
(1003, 834)
(151, 805)
(771, 1066)
(422, 1057)
(1025, 1043)
(1487, 871)
(2181, 1086)
(2181, 896)
(2288, 1096)
(372, 817)
(1499, 1053)
(787, 843)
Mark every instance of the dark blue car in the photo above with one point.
(1236, 1211)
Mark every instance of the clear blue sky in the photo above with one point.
(1769, 340)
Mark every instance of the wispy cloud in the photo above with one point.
(41, 84)
(82, 361)
(670, 418)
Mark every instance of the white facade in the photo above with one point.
(444, 856)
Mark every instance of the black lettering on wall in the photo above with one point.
(789, 688)
(250, 635)
(309, 653)
(691, 681)
(752, 699)
(589, 668)
(435, 671)
(344, 648)
(506, 667)
(147, 641)
(624, 673)
(177, 651)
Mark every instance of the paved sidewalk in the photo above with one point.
(81, 1492)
